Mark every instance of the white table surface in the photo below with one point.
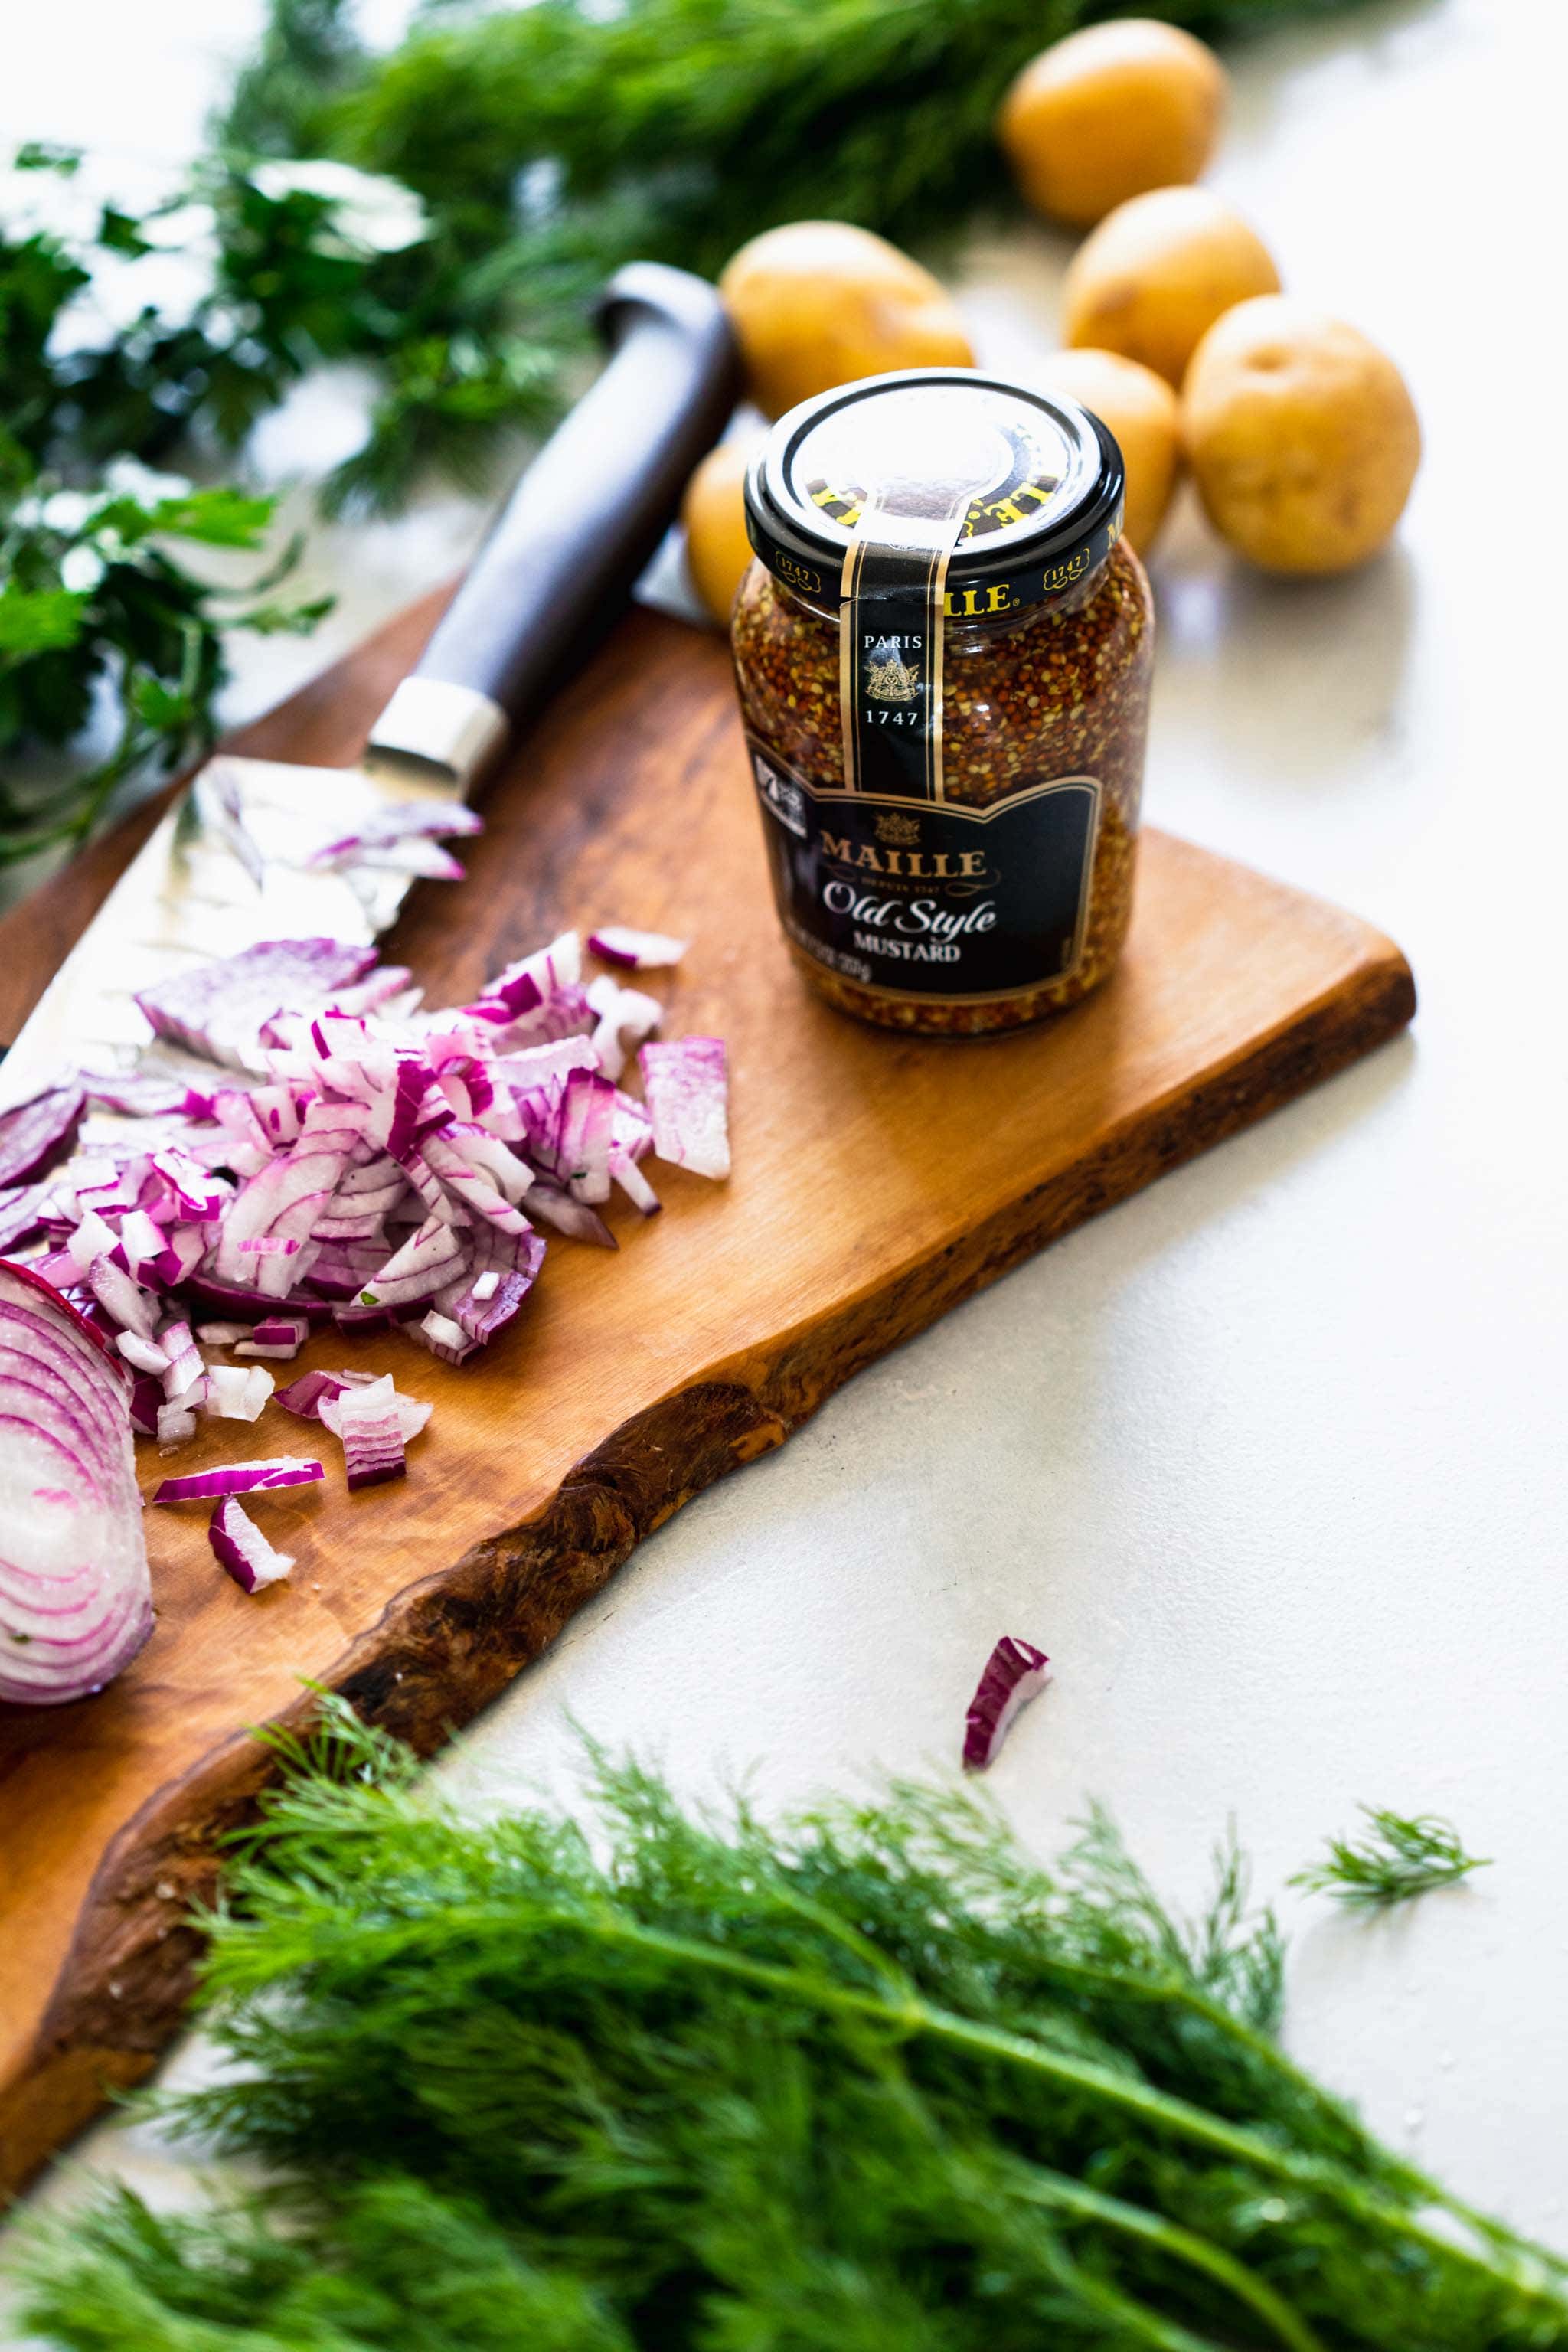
(1270, 1458)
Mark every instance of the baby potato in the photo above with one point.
(1110, 113)
(818, 303)
(1142, 413)
(714, 513)
(1301, 435)
(1152, 279)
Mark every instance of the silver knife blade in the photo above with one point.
(187, 898)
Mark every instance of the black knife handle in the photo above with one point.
(560, 563)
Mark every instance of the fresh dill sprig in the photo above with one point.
(1402, 1857)
(93, 593)
(868, 2080)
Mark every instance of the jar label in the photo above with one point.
(890, 638)
(924, 898)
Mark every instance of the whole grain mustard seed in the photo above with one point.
(897, 905)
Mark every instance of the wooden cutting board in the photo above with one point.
(877, 1181)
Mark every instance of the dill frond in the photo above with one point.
(1403, 1856)
(868, 2080)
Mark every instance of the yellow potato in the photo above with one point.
(1144, 414)
(1152, 279)
(714, 513)
(1110, 113)
(1301, 435)
(818, 303)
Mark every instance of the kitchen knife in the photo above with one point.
(557, 570)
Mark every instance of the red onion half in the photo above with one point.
(75, 1598)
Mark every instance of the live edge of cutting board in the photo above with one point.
(877, 1181)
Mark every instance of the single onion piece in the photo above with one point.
(687, 1085)
(74, 1596)
(222, 807)
(143, 1094)
(37, 1133)
(145, 1354)
(636, 950)
(369, 1425)
(626, 1015)
(281, 1335)
(239, 1478)
(176, 1426)
(240, 1547)
(93, 1237)
(219, 1009)
(624, 1172)
(303, 1397)
(570, 1216)
(133, 1309)
(393, 828)
(1014, 1673)
(237, 1392)
(22, 1207)
(445, 1338)
(147, 1401)
(185, 1380)
(222, 1335)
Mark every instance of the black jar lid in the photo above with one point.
(1033, 484)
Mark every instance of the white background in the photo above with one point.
(1269, 1459)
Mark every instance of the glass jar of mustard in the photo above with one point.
(943, 649)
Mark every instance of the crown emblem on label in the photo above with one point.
(898, 832)
(888, 678)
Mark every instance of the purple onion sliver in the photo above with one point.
(238, 1479)
(636, 950)
(35, 1134)
(1014, 1673)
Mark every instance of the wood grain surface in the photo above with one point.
(877, 1181)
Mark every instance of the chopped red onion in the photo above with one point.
(217, 1009)
(237, 1392)
(147, 1401)
(1014, 1673)
(687, 1086)
(176, 1426)
(636, 950)
(279, 1336)
(379, 1167)
(22, 1213)
(373, 1424)
(303, 1396)
(239, 1478)
(75, 1597)
(36, 1134)
(240, 1547)
(624, 1172)
(402, 840)
(222, 804)
(185, 1372)
(625, 1017)
(133, 1309)
(446, 1339)
(410, 1414)
(145, 1354)
(147, 1094)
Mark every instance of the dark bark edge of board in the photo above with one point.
(452, 1641)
